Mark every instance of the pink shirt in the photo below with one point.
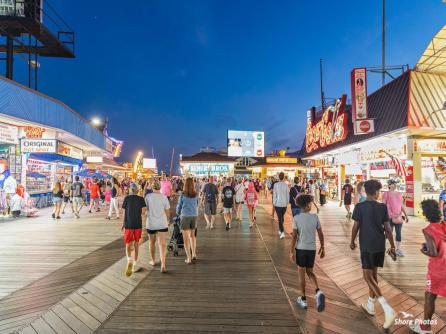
(394, 202)
(166, 188)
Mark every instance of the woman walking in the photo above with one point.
(187, 209)
(239, 197)
(57, 199)
(397, 213)
(323, 189)
(251, 198)
(114, 199)
(360, 195)
(157, 223)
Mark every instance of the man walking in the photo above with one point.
(132, 226)
(76, 192)
(372, 222)
(228, 194)
(209, 198)
(281, 195)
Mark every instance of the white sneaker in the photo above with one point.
(301, 303)
(416, 328)
(399, 253)
(369, 307)
(282, 235)
(389, 319)
(280, 232)
(320, 301)
(135, 267)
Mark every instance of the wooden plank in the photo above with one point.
(55, 322)
(72, 321)
(41, 327)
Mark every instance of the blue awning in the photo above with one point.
(53, 157)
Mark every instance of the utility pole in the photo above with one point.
(322, 85)
(383, 44)
(171, 161)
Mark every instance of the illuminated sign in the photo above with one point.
(69, 151)
(359, 94)
(430, 146)
(246, 143)
(281, 160)
(97, 159)
(33, 131)
(9, 134)
(148, 163)
(330, 129)
(211, 169)
(38, 146)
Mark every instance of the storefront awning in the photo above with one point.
(53, 157)
(433, 60)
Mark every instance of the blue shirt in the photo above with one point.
(187, 206)
(443, 197)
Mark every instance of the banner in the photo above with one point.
(409, 196)
(38, 145)
(359, 94)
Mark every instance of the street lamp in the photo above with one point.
(96, 121)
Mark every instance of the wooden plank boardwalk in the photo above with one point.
(233, 288)
(403, 282)
(85, 309)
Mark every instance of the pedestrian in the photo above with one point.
(442, 200)
(266, 187)
(57, 199)
(187, 209)
(228, 194)
(66, 195)
(295, 191)
(95, 195)
(371, 220)
(133, 206)
(435, 249)
(76, 193)
(360, 195)
(323, 190)
(157, 223)
(281, 195)
(397, 213)
(209, 199)
(346, 197)
(303, 249)
(239, 198)
(166, 187)
(114, 204)
(273, 209)
(16, 205)
(251, 198)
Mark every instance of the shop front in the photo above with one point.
(205, 164)
(272, 166)
(406, 142)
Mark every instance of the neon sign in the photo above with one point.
(330, 129)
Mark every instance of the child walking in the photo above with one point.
(435, 248)
(251, 198)
(303, 249)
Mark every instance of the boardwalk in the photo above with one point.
(243, 282)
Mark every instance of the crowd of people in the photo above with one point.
(376, 215)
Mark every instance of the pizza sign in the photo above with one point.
(331, 128)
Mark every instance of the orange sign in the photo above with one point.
(330, 129)
(33, 131)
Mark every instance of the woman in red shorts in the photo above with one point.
(435, 248)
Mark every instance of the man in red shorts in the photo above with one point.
(133, 206)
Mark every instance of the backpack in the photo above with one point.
(210, 195)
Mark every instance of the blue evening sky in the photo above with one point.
(180, 73)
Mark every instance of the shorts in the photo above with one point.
(94, 199)
(210, 208)
(66, 199)
(78, 200)
(239, 202)
(57, 200)
(436, 283)
(305, 258)
(347, 199)
(372, 260)
(156, 231)
(188, 223)
(227, 210)
(131, 235)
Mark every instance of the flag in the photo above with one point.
(398, 164)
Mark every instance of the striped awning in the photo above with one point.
(433, 60)
(427, 103)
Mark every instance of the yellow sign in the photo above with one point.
(281, 160)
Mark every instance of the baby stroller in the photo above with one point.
(176, 241)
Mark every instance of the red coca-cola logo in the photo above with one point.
(364, 126)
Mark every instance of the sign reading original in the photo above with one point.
(38, 145)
